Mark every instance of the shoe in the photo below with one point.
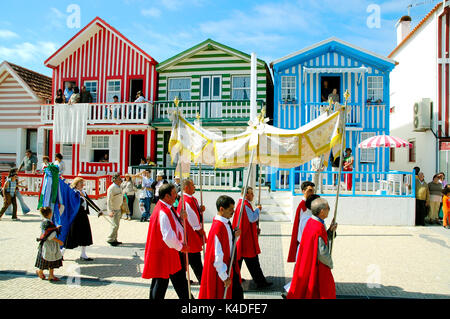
(264, 285)
(86, 259)
(284, 295)
(113, 243)
(118, 242)
(15, 219)
(40, 276)
(54, 279)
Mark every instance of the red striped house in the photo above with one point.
(22, 91)
(108, 64)
(422, 74)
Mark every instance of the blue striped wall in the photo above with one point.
(375, 119)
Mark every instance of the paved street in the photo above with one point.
(406, 262)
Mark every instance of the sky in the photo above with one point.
(31, 31)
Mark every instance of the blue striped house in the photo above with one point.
(303, 81)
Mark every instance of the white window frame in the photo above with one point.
(110, 94)
(375, 88)
(367, 155)
(169, 98)
(93, 93)
(233, 89)
(99, 142)
(288, 87)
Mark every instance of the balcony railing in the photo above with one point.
(353, 117)
(108, 113)
(212, 110)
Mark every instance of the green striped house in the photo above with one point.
(212, 81)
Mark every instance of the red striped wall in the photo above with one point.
(107, 56)
(18, 108)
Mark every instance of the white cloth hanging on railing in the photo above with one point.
(70, 123)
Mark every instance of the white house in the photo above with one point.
(420, 93)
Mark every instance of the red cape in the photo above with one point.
(247, 244)
(212, 286)
(160, 261)
(312, 279)
(294, 242)
(194, 240)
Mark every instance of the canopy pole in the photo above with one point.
(176, 101)
(239, 218)
(341, 159)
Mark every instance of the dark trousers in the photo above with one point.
(158, 287)
(195, 261)
(254, 268)
(8, 200)
(237, 292)
(421, 212)
(131, 203)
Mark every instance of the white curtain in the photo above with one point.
(70, 123)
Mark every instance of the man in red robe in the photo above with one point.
(216, 275)
(312, 274)
(165, 244)
(247, 246)
(308, 188)
(195, 234)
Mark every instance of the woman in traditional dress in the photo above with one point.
(348, 167)
(49, 256)
(80, 230)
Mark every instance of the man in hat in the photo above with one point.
(164, 258)
(312, 274)
(195, 234)
(156, 185)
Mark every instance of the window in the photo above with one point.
(375, 88)
(112, 88)
(179, 87)
(367, 154)
(100, 147)
(241, 88)
(288, 88)
(412, 151)
(392, 154)
(91, 86)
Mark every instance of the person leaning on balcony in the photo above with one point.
(114, 200)
(422, 199)
(435, 188)
(59, 99)
(75, 97)
(68, 92)
(9, 194)
(59, 162)
(85, 95)
(334, 96)
(140, 97)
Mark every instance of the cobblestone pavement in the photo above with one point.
(370, 262)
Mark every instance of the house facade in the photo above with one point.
(420, 88)
(304, 80)
(108, 64)
(212, 81)
(22, 92)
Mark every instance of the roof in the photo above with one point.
(39, 84)
(417, 27)
(83, 35)
(201, 46)
(334, 44)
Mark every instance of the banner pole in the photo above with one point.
(239, 218)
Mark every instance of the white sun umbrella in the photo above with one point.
(384, 141)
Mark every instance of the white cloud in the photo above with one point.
(26, 51)
(7, 34)
(178, 4)
(152, 12)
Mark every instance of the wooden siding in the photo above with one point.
(18, 108)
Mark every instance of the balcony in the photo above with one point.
(108, 113)
(212, 112)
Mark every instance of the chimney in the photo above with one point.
(403, 27)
